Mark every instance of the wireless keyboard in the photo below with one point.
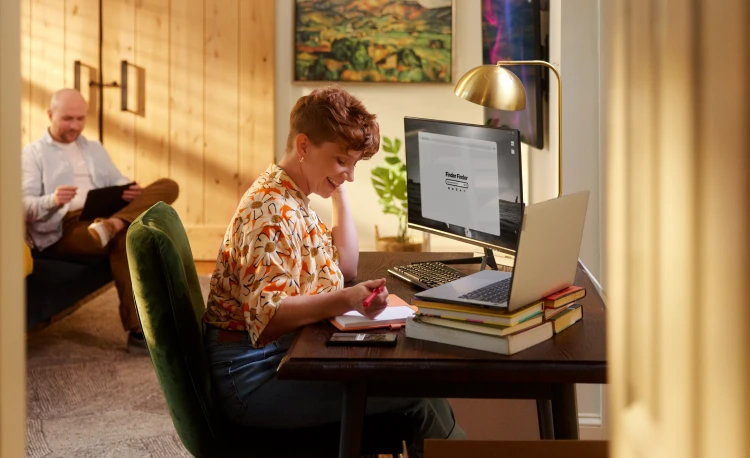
(426, 275)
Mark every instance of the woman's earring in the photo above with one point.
(301, 159)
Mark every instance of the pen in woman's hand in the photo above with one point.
(372, 295)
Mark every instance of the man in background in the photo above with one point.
(58, 171)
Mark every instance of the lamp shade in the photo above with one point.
(492, 86)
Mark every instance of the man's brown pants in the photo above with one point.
(76, 240)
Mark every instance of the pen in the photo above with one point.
(372, 295)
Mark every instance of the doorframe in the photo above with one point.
(12, 298)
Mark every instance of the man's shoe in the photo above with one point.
(137, 343)
(102, 231)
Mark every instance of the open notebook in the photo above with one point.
(394, 316)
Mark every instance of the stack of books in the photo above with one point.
(561, 310)
(493, 329)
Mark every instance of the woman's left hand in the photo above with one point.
(361, 291)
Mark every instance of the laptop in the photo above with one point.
(546, 260)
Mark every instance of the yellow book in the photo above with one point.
(482, 328)
(572, 315)
(477, 314)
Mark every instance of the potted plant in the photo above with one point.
(389, 182)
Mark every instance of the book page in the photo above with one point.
(390, 313)
(397, 312)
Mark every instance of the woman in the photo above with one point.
(280, 268)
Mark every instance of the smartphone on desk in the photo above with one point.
(358, 339)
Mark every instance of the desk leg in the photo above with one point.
(565, 411)
(544, 416)
(352, 419)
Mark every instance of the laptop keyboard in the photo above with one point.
(494, 292)
(426, 275)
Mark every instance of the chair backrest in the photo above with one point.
(170, 307)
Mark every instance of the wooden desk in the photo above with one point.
(546, 372)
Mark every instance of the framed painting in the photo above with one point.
(511, 30)
(407, 41)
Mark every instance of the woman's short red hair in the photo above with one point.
(330, 114)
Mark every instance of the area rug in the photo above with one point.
(88, 397)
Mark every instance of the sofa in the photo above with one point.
(57, 287)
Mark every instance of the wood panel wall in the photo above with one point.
(201, 93)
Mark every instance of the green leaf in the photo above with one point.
(389, 182)
(378, 181)
(384, 195)
(382, 172)
(399, 189)
(384, 192)
(390, 147)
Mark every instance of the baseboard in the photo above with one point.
(591, 427)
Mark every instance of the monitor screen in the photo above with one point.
(464, 182)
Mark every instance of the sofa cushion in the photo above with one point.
(28, 261)
(54, 285)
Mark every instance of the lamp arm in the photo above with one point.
(559, 111)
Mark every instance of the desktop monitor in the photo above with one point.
(464, 182)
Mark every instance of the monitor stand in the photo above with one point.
(488, 260)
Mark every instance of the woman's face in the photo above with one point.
(327, 166)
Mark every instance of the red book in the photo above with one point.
(564, 297)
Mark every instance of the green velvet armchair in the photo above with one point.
(170, 308)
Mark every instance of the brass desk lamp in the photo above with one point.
(496, 87)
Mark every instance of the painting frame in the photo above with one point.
(390, 64)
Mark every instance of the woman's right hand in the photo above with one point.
(358, 293)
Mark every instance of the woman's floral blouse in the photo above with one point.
(274, 247)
